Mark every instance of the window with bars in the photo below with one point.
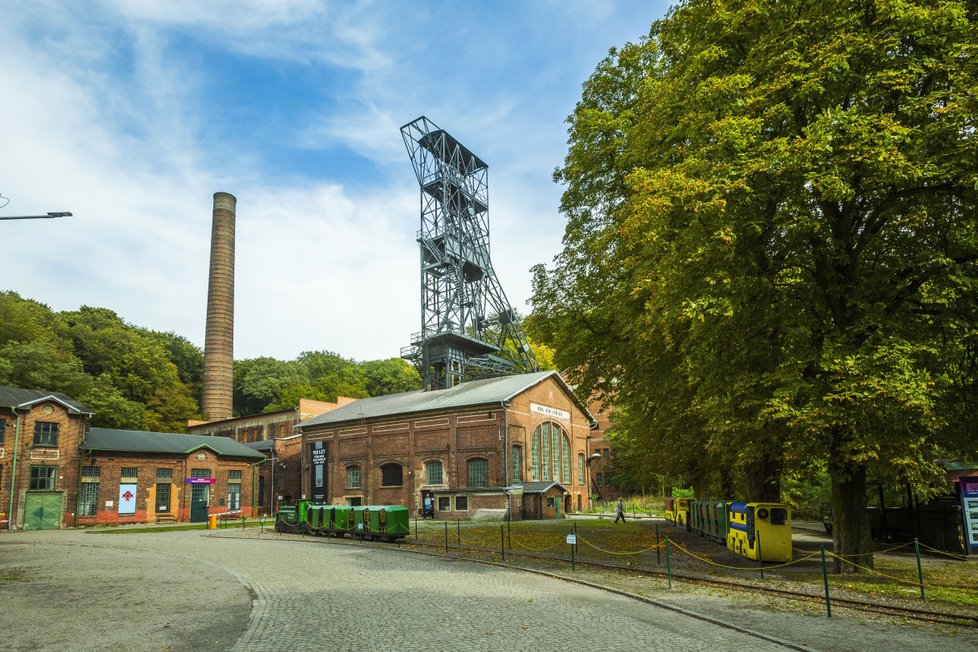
(46, 434)
(517, 459)
(461, 503)
(164, 475)
(42, 478)
(478, 472)
(234, 490)
(88, 495)
(353, 477)
(200, 473)
(129, 474)
(433, 472)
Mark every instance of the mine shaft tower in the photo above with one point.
(467, 324)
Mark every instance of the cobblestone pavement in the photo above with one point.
(70, 590)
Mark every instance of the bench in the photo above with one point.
(166, 518)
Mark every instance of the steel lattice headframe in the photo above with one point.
(466, 320)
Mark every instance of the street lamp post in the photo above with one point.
(36, 217)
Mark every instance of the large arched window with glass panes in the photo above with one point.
(551, 453)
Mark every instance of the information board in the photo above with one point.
(969, 508)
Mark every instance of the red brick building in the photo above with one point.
(56, 471)
(129, 476)
(516, 442)
(40, 434)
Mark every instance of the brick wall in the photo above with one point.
(453, 438)
(64, 457)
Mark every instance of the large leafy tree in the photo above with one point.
(772, 231)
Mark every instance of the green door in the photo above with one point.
(42, 510)
(199, 493)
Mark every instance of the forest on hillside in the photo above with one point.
(140, 379)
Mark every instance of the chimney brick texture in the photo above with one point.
(219, 334)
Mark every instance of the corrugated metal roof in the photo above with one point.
(138, 441)
(539, 487)
(475, 392)
(16, 397)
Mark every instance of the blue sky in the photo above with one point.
(132, 113)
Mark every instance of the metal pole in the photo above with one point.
(658, 555)
(668, 562)
(502, 542)
(760, 555)
(573, 545)
(415, 528)
(920, 570)
(509, 532)
(825, 580)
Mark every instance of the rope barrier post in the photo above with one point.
(242, 521)
(572, 546)
(502, 541)
(760, 556)
(509, 533)
(920, 570)
(415, 528)
(668, 563)
(575, 537)
(446, 537)
(658, 555)
(825, 581)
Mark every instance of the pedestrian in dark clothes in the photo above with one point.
(621, 512)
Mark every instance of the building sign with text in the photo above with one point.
(551, 412)
(318, 471)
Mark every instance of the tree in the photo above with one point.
(778, 198)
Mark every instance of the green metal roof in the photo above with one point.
(138, 441)
(475, 392)
(22, 398)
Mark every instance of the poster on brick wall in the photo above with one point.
(127, 499)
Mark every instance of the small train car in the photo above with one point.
(760, 531)
(708, 518)
(677, 511)
(388, 522)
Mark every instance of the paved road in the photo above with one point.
(68, 590)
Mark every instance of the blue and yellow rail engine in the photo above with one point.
(760, 531)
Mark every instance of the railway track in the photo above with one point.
(898, 611)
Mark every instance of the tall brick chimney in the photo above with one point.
(219, 335)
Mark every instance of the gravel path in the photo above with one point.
(72, 590)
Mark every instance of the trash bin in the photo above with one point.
(212, 522)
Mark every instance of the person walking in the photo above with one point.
(621, 512)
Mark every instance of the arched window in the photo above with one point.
(553, 462)
(516, 454)
(478, 472)
(433, 472)
(580, 468)
(353, 477)
(391, 475)
(565, 469)
(535, 457)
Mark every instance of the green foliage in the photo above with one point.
(134, 378)
(771, 255)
